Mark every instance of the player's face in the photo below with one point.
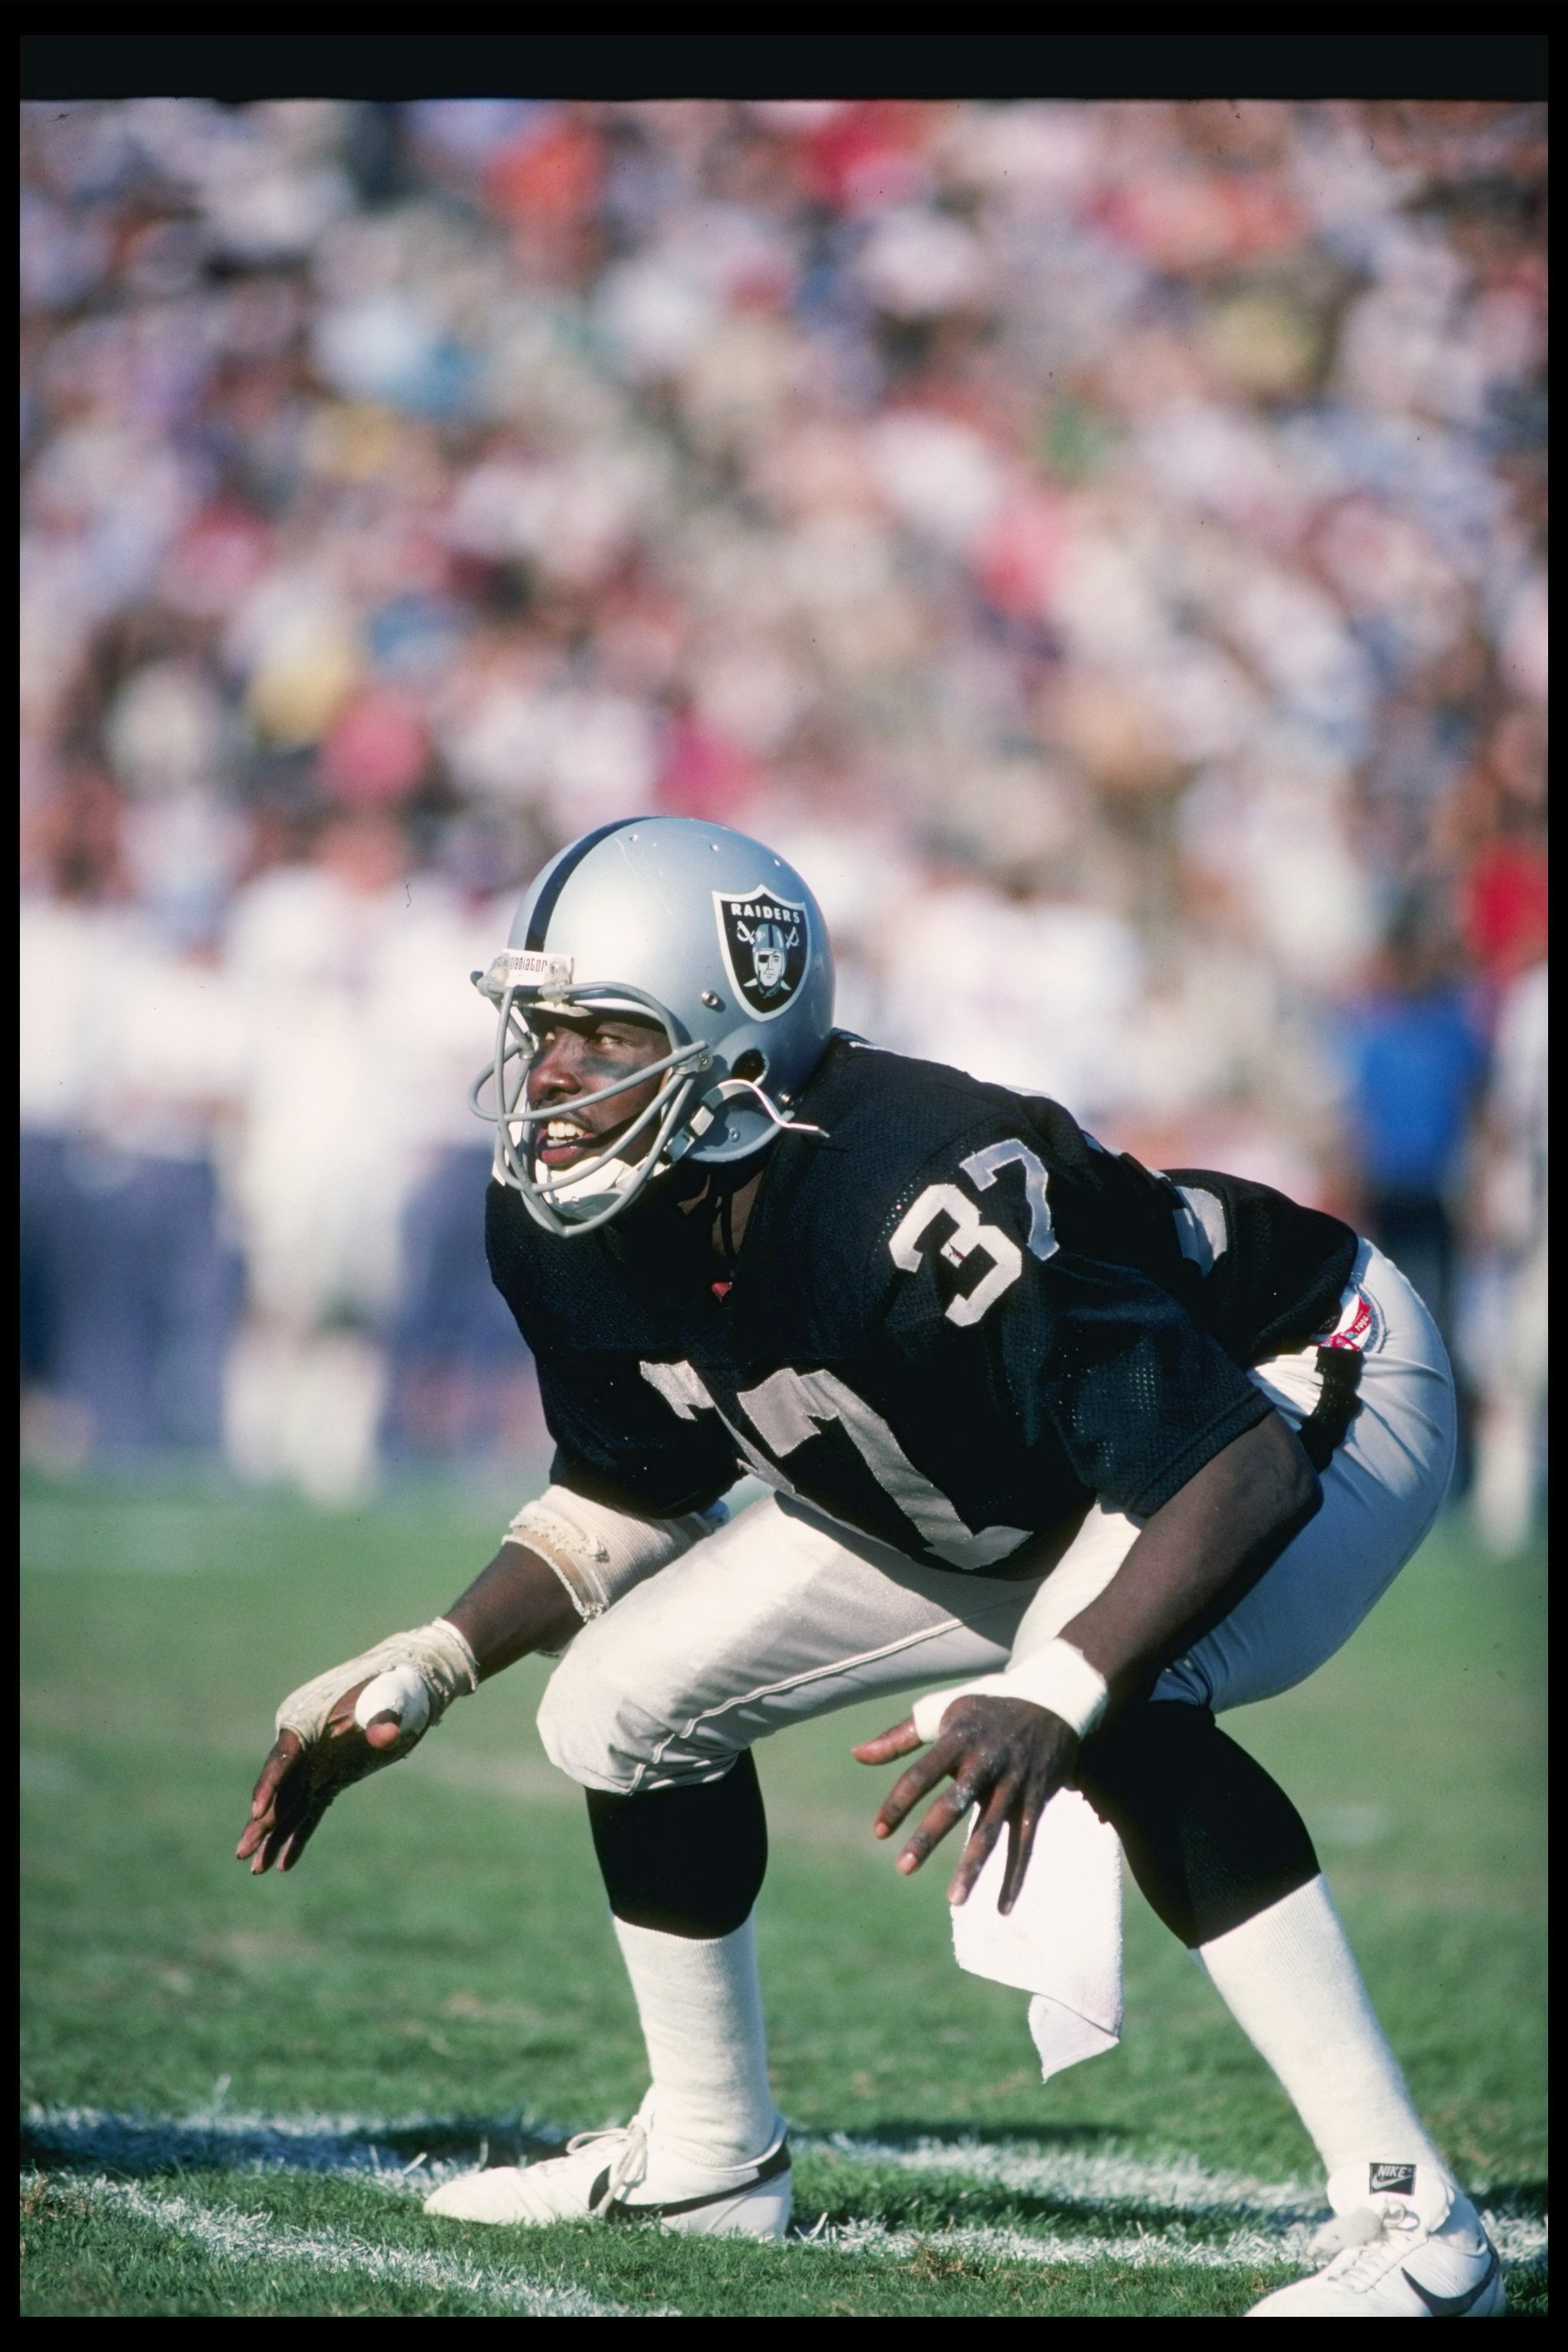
(576, 1054)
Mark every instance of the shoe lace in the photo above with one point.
(630, 2162)
(1357, 2240)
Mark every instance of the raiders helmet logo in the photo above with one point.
(766, 945)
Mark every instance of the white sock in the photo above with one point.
(701, 2014)
(1290, 1979)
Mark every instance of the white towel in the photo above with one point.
(1062, 1940)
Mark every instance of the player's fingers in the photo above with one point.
(341, 1717)
(299, 1795)
(261, 1845)
(285, 1750)
(299, 1837)
(981, 1838)
(1040, 1787)
(944, 1815)
(1022, 1824)
(381, 1730)
(940, 1758)
(901, 1741)
(288, 1852)
(273, 1793)
(254, 1834)
(265, 1853)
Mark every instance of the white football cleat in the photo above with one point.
(1406, 2244)
(623, 2175)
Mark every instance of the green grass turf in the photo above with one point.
(76, 2258)
(444, 1949)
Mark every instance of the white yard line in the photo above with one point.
(1048, 2249)
(1519, 2244)
(1108, 2177)
(1283, 2214)
(1270, 2221)
(232, 2237)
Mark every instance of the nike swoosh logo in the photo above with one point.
(769, 2170)
(1455, 2306)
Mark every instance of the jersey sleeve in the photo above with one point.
(1093, 1369)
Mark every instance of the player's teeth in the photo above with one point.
(561, 1131)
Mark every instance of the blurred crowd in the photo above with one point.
(1101, 544)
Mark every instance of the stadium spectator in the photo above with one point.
(1413, 1061)
(1110, 533)
(130, 1075)
(1507, 1327)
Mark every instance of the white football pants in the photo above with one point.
(786, 1614)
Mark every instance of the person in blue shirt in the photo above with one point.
(1413, 1058)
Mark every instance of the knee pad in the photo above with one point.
(686, 1861)
(1210, 1838)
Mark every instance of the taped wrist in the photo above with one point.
(437, 1654)
(1056, 1676)
(598, 1553)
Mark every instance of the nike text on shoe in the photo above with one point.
(1405, 2244)
(623, 2175)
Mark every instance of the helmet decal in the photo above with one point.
(766, 942)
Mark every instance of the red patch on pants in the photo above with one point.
(1353, 1329)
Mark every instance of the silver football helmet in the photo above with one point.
(696, 927)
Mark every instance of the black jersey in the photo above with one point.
(955, 1320)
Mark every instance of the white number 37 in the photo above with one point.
(971, 1234)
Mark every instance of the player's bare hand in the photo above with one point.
(1003, 1755)
(298, 1783)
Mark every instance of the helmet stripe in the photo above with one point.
(567, 864)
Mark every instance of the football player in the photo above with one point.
(1117, 1450)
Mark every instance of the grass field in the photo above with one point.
(236, 2092)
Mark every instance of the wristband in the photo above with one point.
(1057, 1677)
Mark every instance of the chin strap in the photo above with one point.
(786, 1125)
(713, 1102)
